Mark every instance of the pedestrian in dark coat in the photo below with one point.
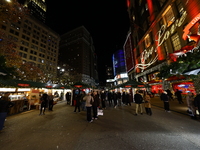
(95, 104)
(103, 99)
(5, 104)
(197, 102)
(44, 103)
(110, 97)
(124, 101)
(115, 99)
(165, 98)
(179, 96)
(51, 102)
(78, 101)
(128, 99)
(138, 103)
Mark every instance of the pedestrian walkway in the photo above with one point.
(174, 105)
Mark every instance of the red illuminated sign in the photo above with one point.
(48, 86)
(78, 86)
(190, 25)
(140, 85)
(128, 86)
(24, 85)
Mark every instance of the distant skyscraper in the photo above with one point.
(37, 8)
(77, 50)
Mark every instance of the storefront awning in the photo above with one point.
(193, 72)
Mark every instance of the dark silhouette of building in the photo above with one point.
(77, 50)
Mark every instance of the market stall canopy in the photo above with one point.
(132, 84)
(81, 85)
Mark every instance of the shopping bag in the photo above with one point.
(99, 112)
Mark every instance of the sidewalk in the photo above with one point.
(173, 105)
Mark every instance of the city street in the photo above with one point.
(117, 129)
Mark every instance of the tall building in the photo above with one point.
(119, 69)
(37, 8)
(159, 33)
(77, 50)
(36, 43)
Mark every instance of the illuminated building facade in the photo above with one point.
(36, 43)
(119, 69)
(77, 50)
(37, 8)
(159, 29)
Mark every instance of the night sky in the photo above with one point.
(107, 22)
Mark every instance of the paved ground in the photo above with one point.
(117, 129)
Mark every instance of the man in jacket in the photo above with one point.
(138, 103)
(165, 98)
(5, 104)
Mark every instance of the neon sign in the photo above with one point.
(189, 26)
(163, 34)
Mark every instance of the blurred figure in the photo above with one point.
(5, 104)
(110, 97)
(169, 93)
(197, 102)
(95, 104)
(103, 99)
(128, 102)
(179, 96)
(88, 103)
(147, 104)
(191, 105)
(115, 99)
(119, 98)
(124, 101)
(78, 100)
(164, 97)
(83, 108)
(51, 102)
(44, 103)
(68, 97)
(138, 102)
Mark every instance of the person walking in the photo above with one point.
(164, 97)
(115, 99)
(128, 101)
(78, 101)
(169, 93)
(138, 103)
(124, 98)
(103, 99)
(88, 104)
(179, 96)
(83, 108)
(68, 97)
(44, 103)
(51, 102)
(95, 104)
(5, 104)
(119, 98)
(197, 102)
(191, 105)
(147, 104)
(110, 97)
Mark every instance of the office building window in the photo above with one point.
(176, 41)
(168, 16)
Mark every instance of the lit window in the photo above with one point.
(147, 41)
(176, 42)
(168, 16)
